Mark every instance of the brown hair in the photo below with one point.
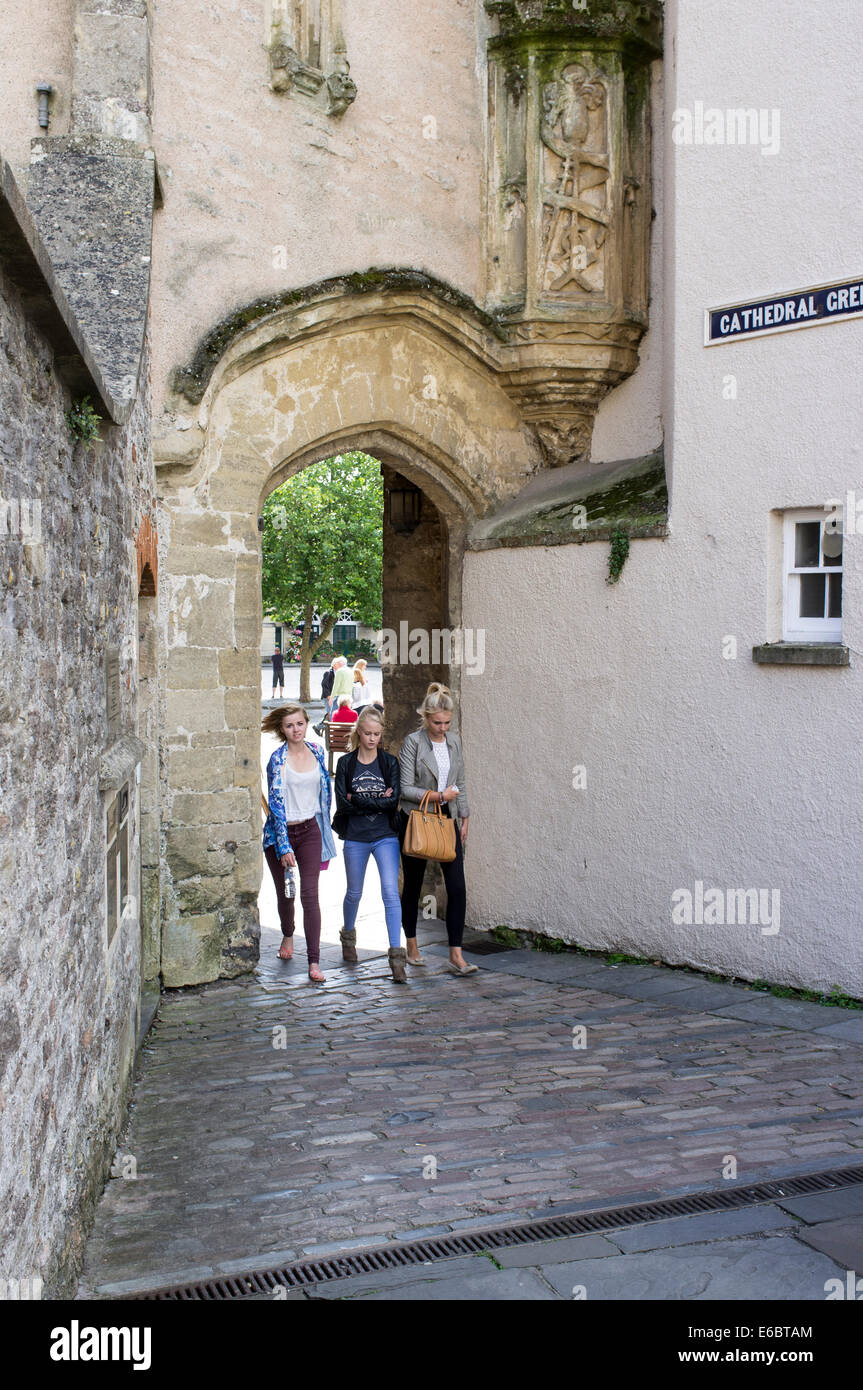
(370, 712)
(272, 723)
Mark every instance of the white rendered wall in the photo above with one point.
(698, 767)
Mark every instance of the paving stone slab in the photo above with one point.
(788, 1013)
(542, 1252)
(825, 1206)
(472, 1266)
(747, 1269)
(841, 1240)
(690, 1230)
(851, 1030)
(507, 1285)
(664, 983)
(708, 998)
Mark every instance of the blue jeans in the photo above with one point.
(386, 853)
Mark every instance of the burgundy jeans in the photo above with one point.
(306, 845)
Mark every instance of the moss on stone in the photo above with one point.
(586, 509)
(635, 23)
(192, 380)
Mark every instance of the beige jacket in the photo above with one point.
(418, 771)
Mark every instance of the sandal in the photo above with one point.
(462, 969)
(317, 979)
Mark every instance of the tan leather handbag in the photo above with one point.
(430, 834)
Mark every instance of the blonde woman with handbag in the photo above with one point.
(432, 770)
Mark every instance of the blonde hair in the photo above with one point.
(360, 671)
(365, 715)
(437, 700)
(272, 723)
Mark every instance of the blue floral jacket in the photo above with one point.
(275, 826)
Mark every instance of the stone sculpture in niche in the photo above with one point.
(568, 205)
(308, 55)
(575, 211)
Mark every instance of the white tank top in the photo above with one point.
(301, 793)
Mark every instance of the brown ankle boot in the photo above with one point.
(349, 946)
(397, 957)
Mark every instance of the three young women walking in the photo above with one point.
(367, 819)
(431, 760)
(297, 832)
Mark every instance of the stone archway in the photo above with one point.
(406, 379)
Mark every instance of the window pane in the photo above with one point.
(812, 594)
(807, 550)
(832, 546)
(835, 607)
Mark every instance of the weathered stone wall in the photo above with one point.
(68, 1002)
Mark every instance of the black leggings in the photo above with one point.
(456, 893)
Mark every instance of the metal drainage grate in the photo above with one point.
(418, 1252)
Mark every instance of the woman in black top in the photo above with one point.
(367, 800)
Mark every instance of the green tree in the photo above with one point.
(322, 550)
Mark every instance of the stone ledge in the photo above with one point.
(92, 197)
(573, 505)
(26, 261)
(801, 654)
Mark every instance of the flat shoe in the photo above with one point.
(462, 969)
(420, 960)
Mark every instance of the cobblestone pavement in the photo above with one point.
(456, 1103)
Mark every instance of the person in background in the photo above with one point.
(344, 714)
(297, 830)
(327, 686)
(327, 695)
(360, 694)
(367, 819)
(342, 683)
(431, 761)
(278, 674)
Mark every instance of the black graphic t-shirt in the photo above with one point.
(368, 779)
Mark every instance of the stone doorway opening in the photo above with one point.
(414, 639)
(212, 812)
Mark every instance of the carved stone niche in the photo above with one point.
(308, 54)
(569, 203)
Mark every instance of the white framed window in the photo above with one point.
(812, 589)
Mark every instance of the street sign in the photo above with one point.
(756, 318)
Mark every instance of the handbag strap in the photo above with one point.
(426, 806)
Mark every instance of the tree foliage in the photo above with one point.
(322, 549)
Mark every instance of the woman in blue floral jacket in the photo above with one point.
(297, 831)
